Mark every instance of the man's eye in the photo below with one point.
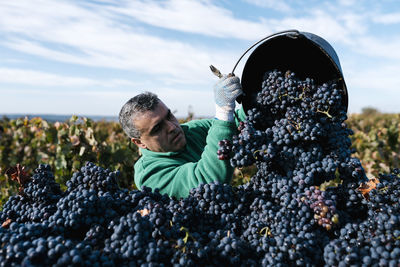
(155, 130)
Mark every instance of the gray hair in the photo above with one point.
(146, 101)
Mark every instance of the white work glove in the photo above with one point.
(226, 90)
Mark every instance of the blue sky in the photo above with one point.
(90, 57)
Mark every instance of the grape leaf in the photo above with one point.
(331, 183)
(6, 223)
(144, 212)
(18, 174)
(365, 188)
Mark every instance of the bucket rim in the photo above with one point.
(313, 40)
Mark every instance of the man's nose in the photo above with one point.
(171, 126)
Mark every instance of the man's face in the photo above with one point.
(160, 130)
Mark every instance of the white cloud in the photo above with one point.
(201, 101)
(87, 102)
(375, 84)
(385, 79)
(347, 3)
(106, 35)
(385, 48)
(348, 28)
(354, 24)
(389, 18)
(89, 37)
(37, 78)
(174, 41)
(330, 25)
(272, 4)
(201, 17)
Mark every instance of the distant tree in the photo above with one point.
(368, 111)
(190, 115)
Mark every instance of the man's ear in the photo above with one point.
(139, 143)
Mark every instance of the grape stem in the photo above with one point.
(326, 113)
(266, 230)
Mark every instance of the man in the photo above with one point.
(176, 158)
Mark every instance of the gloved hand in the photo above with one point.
(226, 90)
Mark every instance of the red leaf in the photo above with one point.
(365, 188)
(7, 223)
(18, 174)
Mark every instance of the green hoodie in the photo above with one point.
(175, 173)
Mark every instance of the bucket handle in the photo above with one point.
(296, 32)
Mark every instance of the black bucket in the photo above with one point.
(305, 54)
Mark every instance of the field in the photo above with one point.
(66, 146)
(305, 203)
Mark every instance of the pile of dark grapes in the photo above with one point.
(309, 203)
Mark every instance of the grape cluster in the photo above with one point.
(308, 204)
(297, 127)
(268, 223)
(225, 148)
(37, 201)
(248, 146)
(324, 208)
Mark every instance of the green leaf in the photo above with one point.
(61, 162)
(332, 183)
(73, 118)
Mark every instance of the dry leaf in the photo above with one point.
(144, 212)
(57, 125)
(6, 224)
(75, 140)
(365, 188)
(18, 174)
